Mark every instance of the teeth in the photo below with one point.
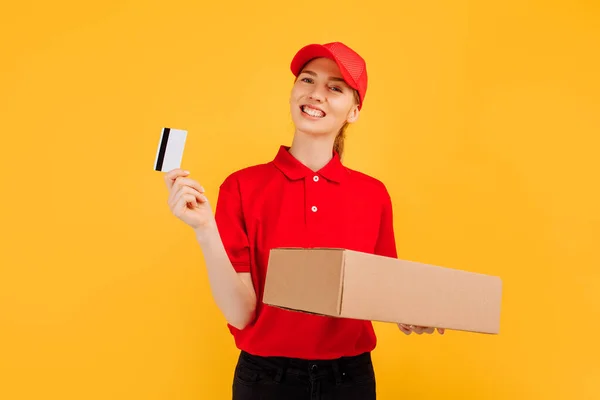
(312, 112)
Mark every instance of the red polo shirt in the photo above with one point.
(283, 203)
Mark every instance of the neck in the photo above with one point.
(314, 152)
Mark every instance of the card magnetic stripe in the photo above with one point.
(163, 149)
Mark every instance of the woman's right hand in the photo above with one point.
(187, 200)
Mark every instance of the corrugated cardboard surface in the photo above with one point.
(349, 284)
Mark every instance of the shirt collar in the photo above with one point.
(294, 169)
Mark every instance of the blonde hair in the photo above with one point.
(338, 143)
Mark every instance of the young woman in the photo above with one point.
(304, 197)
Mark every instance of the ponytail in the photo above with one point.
(338, 144)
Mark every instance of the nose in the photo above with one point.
(317, 94)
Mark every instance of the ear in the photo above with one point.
(353, 114)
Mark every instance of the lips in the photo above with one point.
(312, 111)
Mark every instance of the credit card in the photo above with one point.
(170, 149)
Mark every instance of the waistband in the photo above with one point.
(305, 363)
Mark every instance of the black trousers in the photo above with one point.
(279, 378)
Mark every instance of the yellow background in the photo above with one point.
(482, 118)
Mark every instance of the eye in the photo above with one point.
(338, 89)
(307, 80)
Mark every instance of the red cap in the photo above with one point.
(351, 64)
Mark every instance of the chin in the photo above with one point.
(313, 130)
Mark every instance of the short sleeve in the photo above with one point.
(386, 239)
(229, 217)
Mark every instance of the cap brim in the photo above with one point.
(313, 51)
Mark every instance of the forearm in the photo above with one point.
(236, 301)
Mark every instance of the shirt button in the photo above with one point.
(314, 208)
(316, 178)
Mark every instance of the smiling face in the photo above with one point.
(321, 102)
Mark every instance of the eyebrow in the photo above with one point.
(333, 78)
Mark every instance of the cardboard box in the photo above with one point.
(350, 284)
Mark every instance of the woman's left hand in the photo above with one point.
(419, 330)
